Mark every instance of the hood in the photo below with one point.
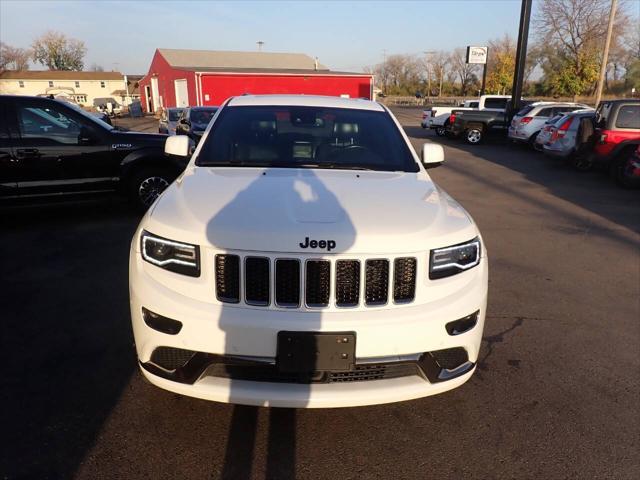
(282, 210)
(139, 138)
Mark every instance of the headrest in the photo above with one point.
(263, 126)
(345, 129)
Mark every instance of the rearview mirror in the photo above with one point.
(432, 155)
(177, 145)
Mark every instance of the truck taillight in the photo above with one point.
(452, 118)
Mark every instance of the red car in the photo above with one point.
(617, 129)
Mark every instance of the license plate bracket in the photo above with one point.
(306, 352)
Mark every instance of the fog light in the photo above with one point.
(160, 323)
(462, 325)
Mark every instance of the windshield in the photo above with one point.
(202, 116)
(88, 115)
(306, 137)
(174, 114)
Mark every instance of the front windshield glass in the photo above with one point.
(90, 117)
(174, 114)
(202, 116)
(306, 137)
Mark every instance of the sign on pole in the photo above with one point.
(477, 55)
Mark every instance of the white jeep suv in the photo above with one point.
(305, 258)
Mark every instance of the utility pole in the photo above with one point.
(384, 70)
(605, 54)
(521, 56)
(427, 54)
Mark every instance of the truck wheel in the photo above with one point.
(441, 131)
(147, 184)
(473, 135)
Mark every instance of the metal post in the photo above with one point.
(484, 74)
(429, 82)
(605, 54)
(521, 56)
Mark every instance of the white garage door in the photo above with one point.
(182, 94)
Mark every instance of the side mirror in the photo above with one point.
(432, 155)
(178, 146)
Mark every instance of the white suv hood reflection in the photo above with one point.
(274, 210)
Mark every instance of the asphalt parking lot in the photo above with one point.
(555, 394)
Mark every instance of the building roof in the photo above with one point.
(209, 59)
(58, 75)
(305, 101)
(273, 71)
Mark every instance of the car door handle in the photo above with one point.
(27, 152)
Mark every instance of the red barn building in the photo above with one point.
(180, 78)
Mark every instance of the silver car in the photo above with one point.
(572, 135)
(169, 120)
(529, 121)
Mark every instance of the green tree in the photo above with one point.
(500, 76)
(573, 76)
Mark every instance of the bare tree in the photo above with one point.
(57, 52)
(96, 68)
(13, 58)
(571, 33)
(465, 72)
(437, 64)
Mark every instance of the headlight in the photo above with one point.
(175, 256)
(444, 262)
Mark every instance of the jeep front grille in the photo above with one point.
(404, 279)
(347, 283)
(287, 283)
(376, 282)
(290, 283)
(228, 278)
(317, 283)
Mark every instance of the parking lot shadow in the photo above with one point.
(66, 342)
(592, 191)
(271, 214)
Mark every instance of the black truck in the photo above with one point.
(475, 125)
(51, 147)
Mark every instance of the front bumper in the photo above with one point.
(223, 334)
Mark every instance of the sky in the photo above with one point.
(344, 35)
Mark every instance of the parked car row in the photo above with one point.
(190, 121)
(52, 148)
(584, 137)
(438, 117)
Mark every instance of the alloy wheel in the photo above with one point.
(150, 188)
(474, 136)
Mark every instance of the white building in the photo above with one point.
(82, 88)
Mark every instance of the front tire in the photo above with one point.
(147, 184)
(473, 135)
